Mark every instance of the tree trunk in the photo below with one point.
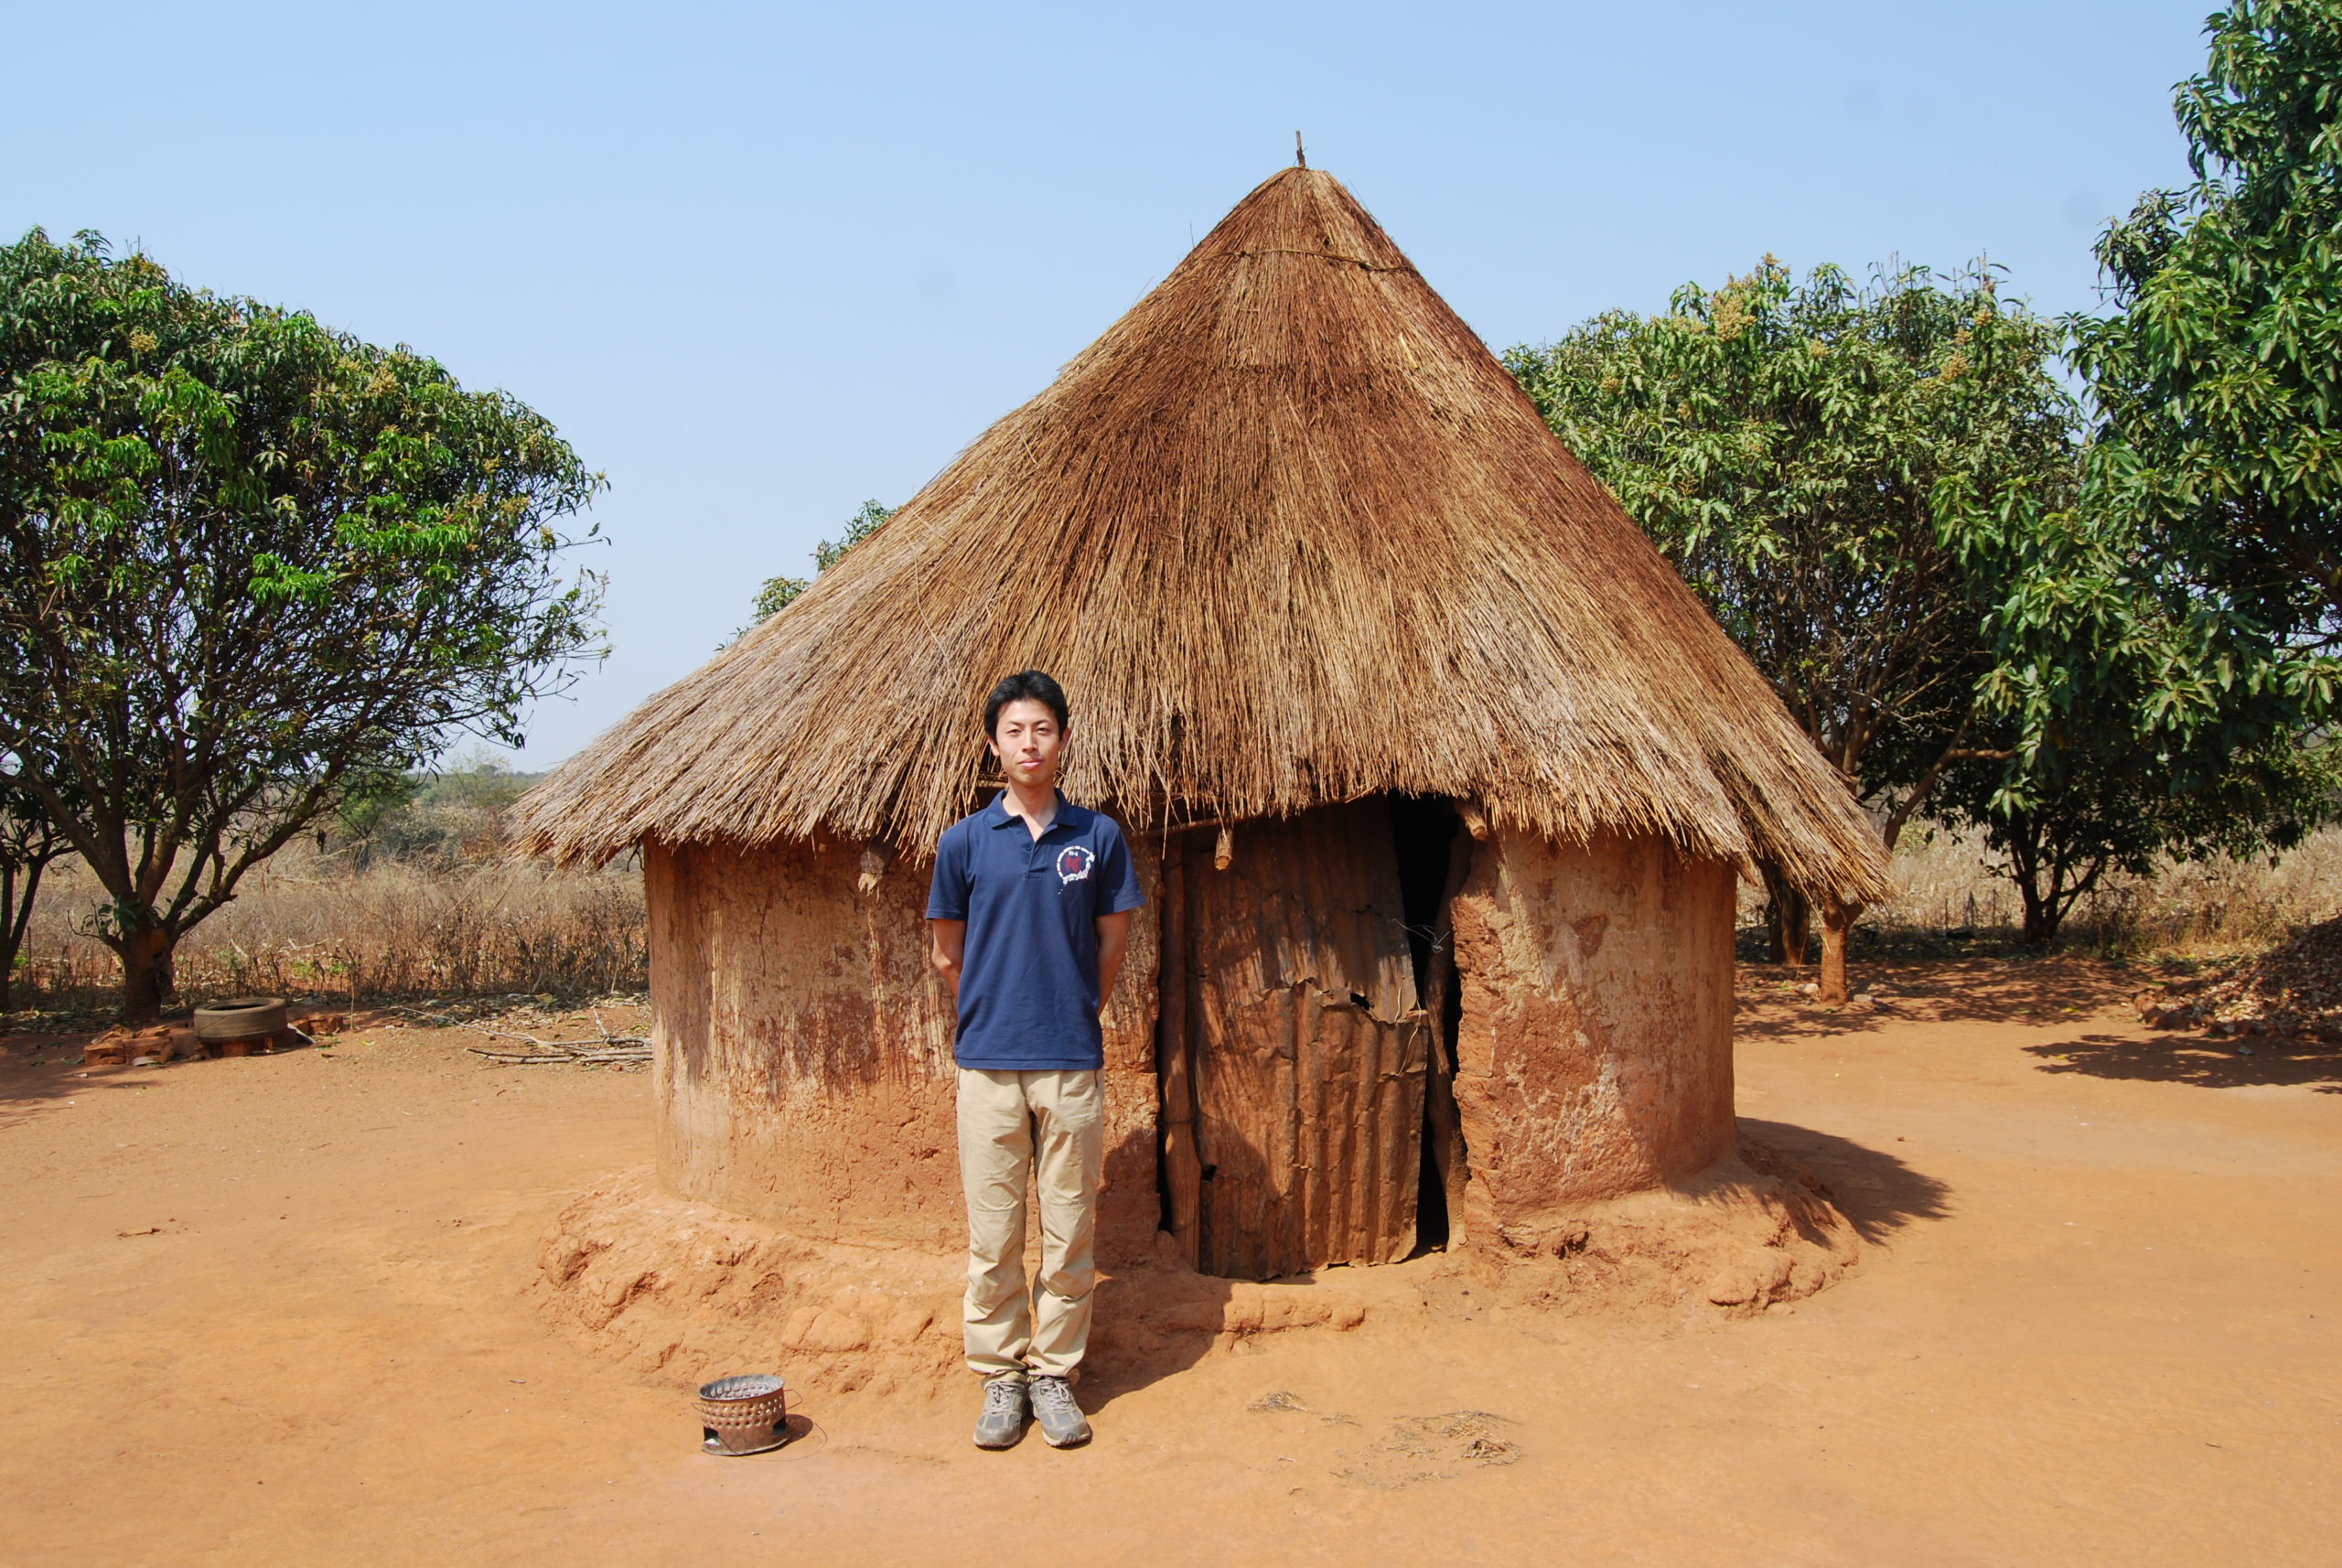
(2033, 863)
(2041, 917)
(1837, 919)
(145, 975)
(1789, 915)
(12, 931)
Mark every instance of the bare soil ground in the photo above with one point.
(271, 1311)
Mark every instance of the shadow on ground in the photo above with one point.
(2262, 1060)
(1982, 990)
(1127, 1355)
(43, 1072)
(1876, 1190)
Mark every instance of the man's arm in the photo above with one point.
(948, 944)
(1114, 938)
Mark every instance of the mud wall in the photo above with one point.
(803, 1049)
(1593, 1054)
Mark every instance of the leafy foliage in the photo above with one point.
(2184, 589)
(867, 519)
(2108, 801)
(1880, 493)
(2159, 647)
(1781, 442)
(360, 813)
(777, 593)
(250, 568)
(2218, 377)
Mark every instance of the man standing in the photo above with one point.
(1029, 912)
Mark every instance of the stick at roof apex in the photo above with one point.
(1300, 157)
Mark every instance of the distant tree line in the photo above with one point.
(2102, 628)
(442, 815)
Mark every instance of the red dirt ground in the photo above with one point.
(268, 1311)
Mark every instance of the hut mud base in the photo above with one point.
(680, 1290)
(1754, 1230)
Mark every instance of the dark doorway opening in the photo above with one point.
(1433, 855)
(1423, 827)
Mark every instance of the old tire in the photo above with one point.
(240, 1018)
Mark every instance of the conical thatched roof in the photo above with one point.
(1288, 534)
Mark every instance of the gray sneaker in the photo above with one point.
(1002, 1420)
(1063, 1422)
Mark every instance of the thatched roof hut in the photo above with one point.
(1294, 537)
(1310, 564)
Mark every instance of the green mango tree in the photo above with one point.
(1782, 442)
(249, 566)
(2218, 377)
(2164, 638)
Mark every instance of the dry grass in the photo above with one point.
(1290, 536)
(2221, 907)
(309, 927)
(2211, 909)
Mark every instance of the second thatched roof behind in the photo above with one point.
(1289, 535)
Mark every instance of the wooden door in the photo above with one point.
(1305, 1052)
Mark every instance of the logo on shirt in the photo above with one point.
(1073, 863)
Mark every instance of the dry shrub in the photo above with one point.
(1943, 883)
(1946, 881)
(309, 926)
(2218, 907)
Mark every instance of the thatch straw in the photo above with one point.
(1289, 535)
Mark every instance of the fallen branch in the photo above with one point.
(594, 1057)
(608, 1048)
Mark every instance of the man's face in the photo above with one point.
(1027, 739)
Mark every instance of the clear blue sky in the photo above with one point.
(761, 261)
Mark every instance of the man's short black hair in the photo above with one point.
(1026, 684)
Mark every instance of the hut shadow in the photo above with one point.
(1873, 1189)
(2257, 1061)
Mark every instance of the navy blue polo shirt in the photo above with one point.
(1029, 981)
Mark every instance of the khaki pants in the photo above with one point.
(1006, 1120)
